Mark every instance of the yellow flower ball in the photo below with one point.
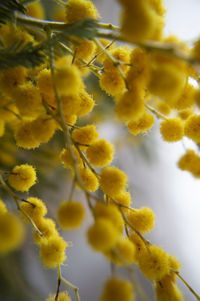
(70, 215)
(167, 81)
(89, 179)
(139, 244)
(22, 177)
(28, 100)
(68, 79)
(35, 10)
(71, 104)
(84, 49)
(52, 251)
(45, 86)
(48, 229)
(141, 125)
(172, 129)
(186, 99)
(110, 212)
(123, 198)
(142, 219)
(112, 181)
(192, 128)
(102, 235)
(3, 208)
(86, 104)
(11, 233)
(130, 105)
(43, 128)
(167, 293)
(10, 79)
(154, 263)
(77, 10)
(190, 161)
(85, 135)
(117, 289)
(123, 253)
(112, 82)
(24, 135)
(100, 153)
(63, 296)
(140, 22)
(34, 208)
(66, 159)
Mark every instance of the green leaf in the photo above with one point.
(8, 8)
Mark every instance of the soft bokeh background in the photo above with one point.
(155, 181)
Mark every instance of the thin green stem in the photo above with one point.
(188, 286)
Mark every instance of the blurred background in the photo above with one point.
(154, 181)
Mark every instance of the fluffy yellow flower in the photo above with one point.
(52, 251)
(68, 79)
(142, 219)
(85, 135)
(86, 105)
(48, 229)
(63, 296)
(112, 181)
(10, 79)
(66, 159)
(112, 82)
(28, 100)
(24, 135)
(11, 232)
(89, 179)
(111, 213)
(43, 128)
(139, 244)
(167, 293)
(70, 215)
(123, 253)
(100, 153)
(124, 198)
(35, 208)
(192, 128)
(22, 177)
(77, 10)
(172, 129)
(154, 263)
(117, 289)
(190, 161)
(84, 49)
(102, 235)
(141, 125)
(130, 105)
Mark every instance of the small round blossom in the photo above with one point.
(102, 235)
(11, 232)
(172, 129)
(22, 177)
(34, 208)
(86, 105)
(67, 79)
(141, 125)
(192, 128)
(139, 244)
(70, 215)
(100, 153)
(66, 158)
(24, 135)
(142, 219)
(110, 212)
(43, 128)
(63, 296)
(125, 252)
(77, 10)
(117, 289)
(154, 263)
(52, 251)
(89, 179)
(48, 229)
(112, 180)
(168, 293)
(85, 135)
(112, 82)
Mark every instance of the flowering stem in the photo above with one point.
(188, 286)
